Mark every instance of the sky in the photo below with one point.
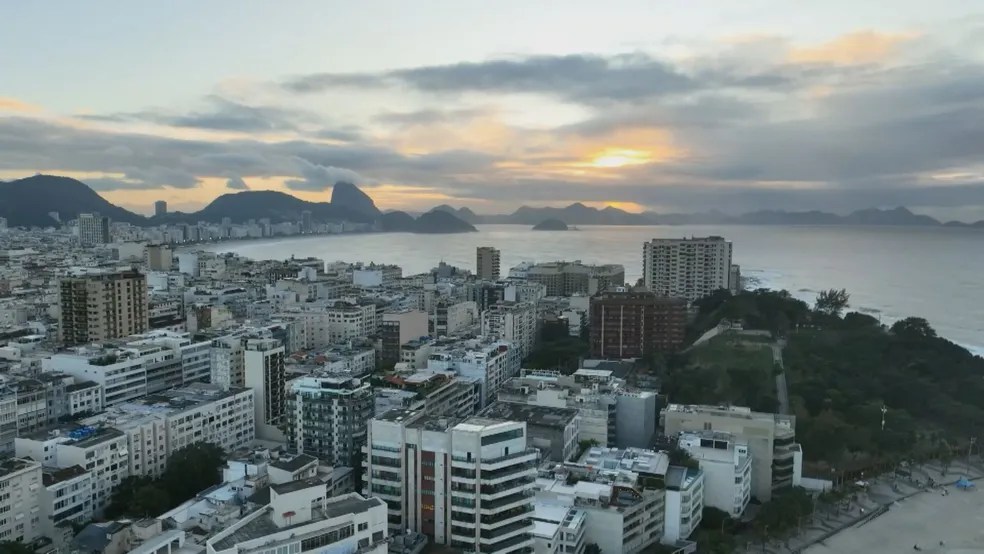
(662, 105)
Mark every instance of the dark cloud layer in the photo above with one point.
(756, 135)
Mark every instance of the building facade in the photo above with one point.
(634, 324)
(727, 467)
(468, 485)
(326, 416)
(687, 268)
(101, 307)
(93, 229)
(265, 374)
(487, 266)
(20, 491)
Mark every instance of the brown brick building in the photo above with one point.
(630, 324)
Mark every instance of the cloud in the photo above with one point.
(17, 106)
(863, 47)
(236, 183)
(319, 177)
(429, 116)
(224, 114)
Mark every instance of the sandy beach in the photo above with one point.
(923, 520)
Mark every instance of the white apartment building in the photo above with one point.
(100, 451)
(771, 440)
(558, 527)
(195, 357)
(227, 362)
(490, 362)
(684, 503)
(8, 419)
(449, 317)
(326, 416)
(355, 361)
(20, 506)
(93, 229)
(158, 425)
(264, 373)
(339, 322)
(512, 322)
(84, 398)
(302, 518)
(622, 502)
(468, 484)
(686, 268)
(65, 498)
(120, 374)
(520, 291)
(727, 467)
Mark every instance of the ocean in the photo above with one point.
(891, 272)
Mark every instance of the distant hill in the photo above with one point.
(26, 202)
(347, 195)
(463, 214)
(259, 204)
(442, 222)
(551, 225)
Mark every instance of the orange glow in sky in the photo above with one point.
(621, 157)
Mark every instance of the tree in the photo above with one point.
(913, 328)
(193, 469)
(832, 301)
(13, 547)
(592, 548)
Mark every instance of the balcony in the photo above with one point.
(519, 543)
(507, 516)
(513, 500)
(491, 535)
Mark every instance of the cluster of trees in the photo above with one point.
(842, 370)
(189, 471)
(557, 349)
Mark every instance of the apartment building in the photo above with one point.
(8, 419)
(569, 278)
(492, 363)
(194, 356)
(434, 392)
(20, 506)
(84, 397)
(264, 372)
(123, 372)
(633, 324)
(326, 416)
(102, 306)
(513, 322)
(227, 361)
(100, 451)
(159, 257)
(93, 229)
(770, 438)
(399, 328)
(301, 517)
(487, 267)
(688, 268)
(611, 413)
(559, 527)
(552, 431)
(158, 425)
(450, 316)
(620, 493)
(727, 467)
(467, 484)
(65, 499)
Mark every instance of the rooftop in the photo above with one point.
(53, 476)
(543, 416)
(13, 465)
(293, 464)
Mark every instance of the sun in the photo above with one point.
(620, 157)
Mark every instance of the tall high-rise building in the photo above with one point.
(687, 268)
(93, 229)
(326, 416)
(633, 324)
(468, 485)
(487, 263)
(3, 224)
(160, 207)
(264, 372)
(102, 306)
(569, 278)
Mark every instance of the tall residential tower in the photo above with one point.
(687, 268)
(487, 263)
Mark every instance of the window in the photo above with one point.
(363, 526)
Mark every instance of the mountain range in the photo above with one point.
(579, 214)
(28, 202)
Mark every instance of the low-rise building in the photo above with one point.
(727, 467)
(552, 431)
(300, 518)
(66, 498)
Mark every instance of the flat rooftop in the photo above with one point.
(13, 465)
(261, 525)
(636, 460)
(541, 416)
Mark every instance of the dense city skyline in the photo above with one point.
(761, 106)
